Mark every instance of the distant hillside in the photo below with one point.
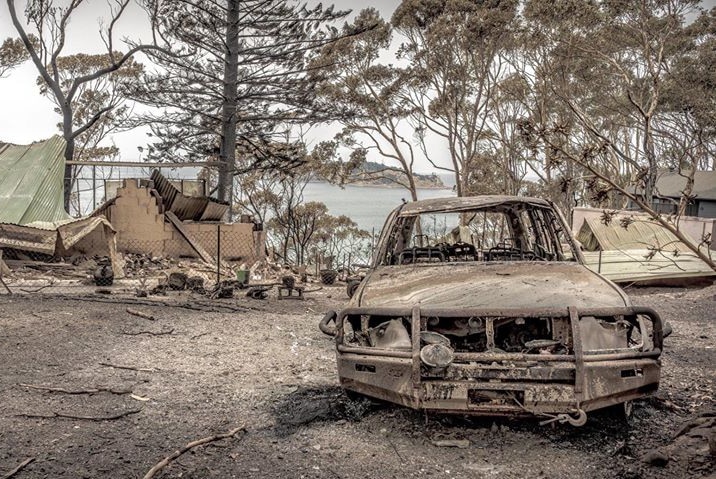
(363, 176)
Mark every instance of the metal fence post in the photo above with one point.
(218, 253)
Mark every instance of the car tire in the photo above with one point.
(621, 413)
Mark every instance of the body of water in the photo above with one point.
(368, 206)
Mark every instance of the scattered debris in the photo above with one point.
(286, 292)
(459, 443)
(177, 281)
(37, 290)
(103, 275)
(3, 271)
(693, 446)
(196, 284)
(225, 289)
(328, 276)
(258, 292)
(151, 333)
(131, 368)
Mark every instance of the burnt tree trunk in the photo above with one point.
(227, 152)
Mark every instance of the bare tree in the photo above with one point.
(50, 23)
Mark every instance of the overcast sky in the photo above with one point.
(25, 116)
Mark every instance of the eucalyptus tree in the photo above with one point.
(12, 54)
(455, 55)
(240, 77)
(637, 105)
(65, 85)
(625, 52)
(370, 93)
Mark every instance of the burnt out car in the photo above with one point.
(482, 305)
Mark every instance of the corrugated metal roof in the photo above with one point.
(632, 265)
(31, 186)
(641, 234)
(196, 208)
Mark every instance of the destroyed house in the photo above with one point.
(152, 217)
(33, 221)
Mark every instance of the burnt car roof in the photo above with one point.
(465, 203)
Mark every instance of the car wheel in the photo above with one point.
(621, 413)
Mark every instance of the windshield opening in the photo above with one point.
(500, 233)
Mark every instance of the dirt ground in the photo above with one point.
(264, 366)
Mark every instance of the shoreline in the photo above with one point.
(387, 187)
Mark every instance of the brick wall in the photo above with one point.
(141, 228)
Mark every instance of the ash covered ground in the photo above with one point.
(204, 367)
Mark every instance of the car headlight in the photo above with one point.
(437, 355)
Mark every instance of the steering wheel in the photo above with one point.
(541, 253)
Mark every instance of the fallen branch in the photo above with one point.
(76, 391)
(141, 314)
(213, 308)
(37, 290)
(131, 368)
(151, 333)
(167, 460)
(18, 468)
(83, 418)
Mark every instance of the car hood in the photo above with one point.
(488, 285)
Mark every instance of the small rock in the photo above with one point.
(494, 428)
(655, 458)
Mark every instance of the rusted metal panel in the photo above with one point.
(461, 203)
(201, 208)
(488, 285)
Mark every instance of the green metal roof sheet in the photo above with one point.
(31, 186)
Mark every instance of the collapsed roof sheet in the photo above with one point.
(196, 208)
(642, 233)
(47, 241)
(31, 186)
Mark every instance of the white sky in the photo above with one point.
(26, 116)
